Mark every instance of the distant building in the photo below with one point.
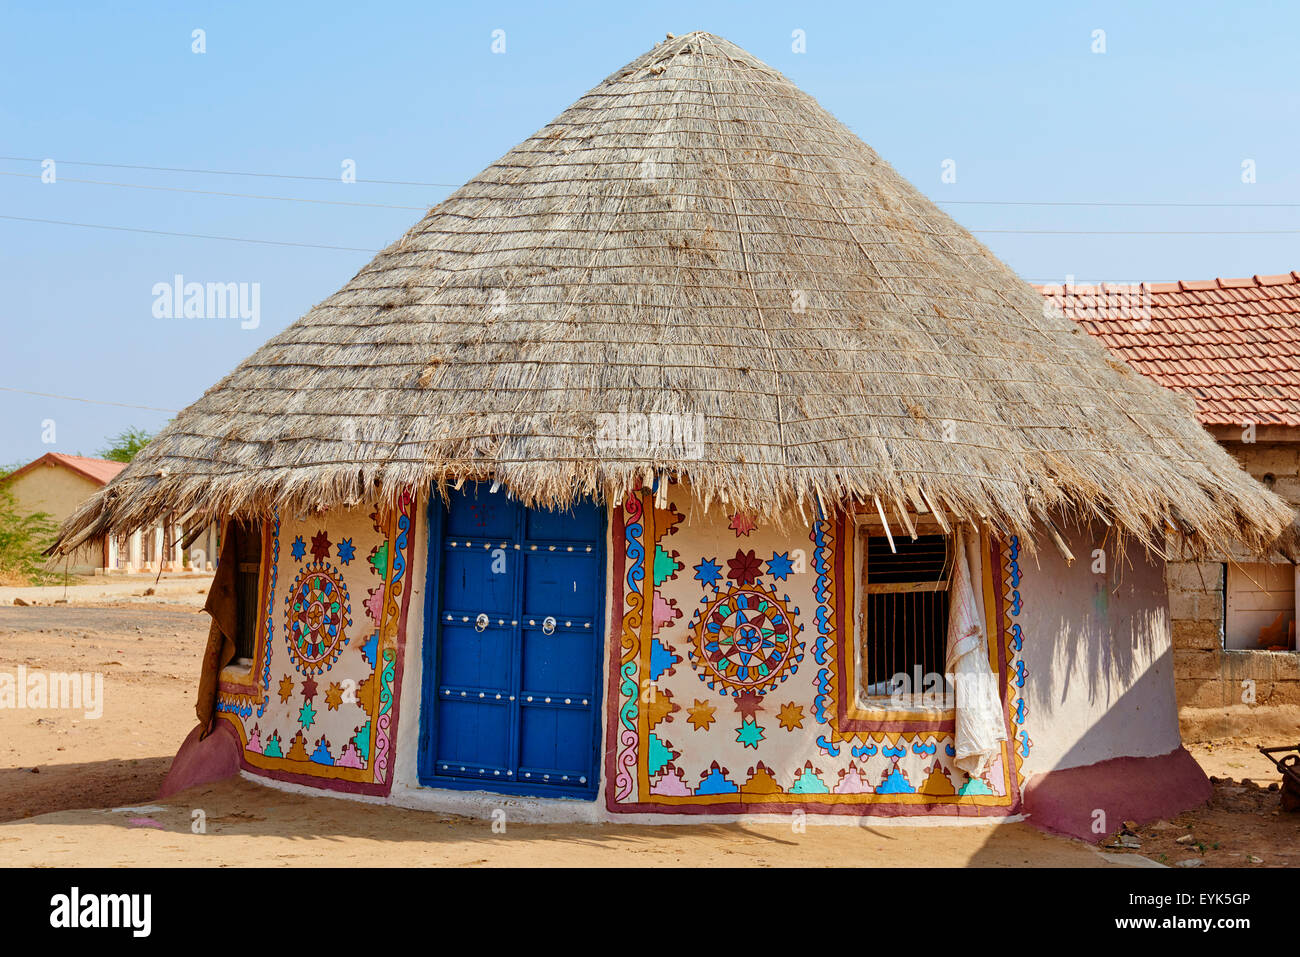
(57, 484)
(1233, 346)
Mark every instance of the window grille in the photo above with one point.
(903, 610)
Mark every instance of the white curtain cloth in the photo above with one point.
(980, 725)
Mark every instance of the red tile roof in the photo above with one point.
(1231, 344)
(99, 471)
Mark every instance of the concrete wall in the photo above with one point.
(1207, 675)
(53, 489)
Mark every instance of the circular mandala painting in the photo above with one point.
(316, 617)
(745, 640)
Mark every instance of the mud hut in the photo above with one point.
(689, 461)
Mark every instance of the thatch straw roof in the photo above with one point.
(694, 237)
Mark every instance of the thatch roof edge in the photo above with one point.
(1232, 509)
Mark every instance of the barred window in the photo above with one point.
(902, 610)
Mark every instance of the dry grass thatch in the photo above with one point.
(694, 239)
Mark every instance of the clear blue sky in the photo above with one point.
(1013, 93)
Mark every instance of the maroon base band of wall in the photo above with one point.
(1124, 789)
(201, 762)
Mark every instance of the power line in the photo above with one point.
(1076, 283)
(1155, 205)
(210, 192)
(237, 239)
(362, 249)
(1142, 232)
(162, 232)
(945, 202)
(224, 172)
(73, 398)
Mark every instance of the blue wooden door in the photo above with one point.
(512, 646)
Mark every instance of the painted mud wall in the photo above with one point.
(319, 706)
(1083, 662)
(688, 732)
(1097, 654)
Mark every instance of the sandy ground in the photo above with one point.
(149, 654)
(1243, 824)
(80, 791)
(100, 588)
(247, 824)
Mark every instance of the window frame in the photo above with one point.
(1226, 592)
(867, 525)
(250, 580)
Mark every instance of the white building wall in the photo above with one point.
(1098, 654)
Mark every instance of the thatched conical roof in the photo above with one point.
(697, 238)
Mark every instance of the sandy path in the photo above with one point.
(101, 588)
(149, 653)
(250, 825)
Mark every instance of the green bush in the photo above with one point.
(23, 537)
(125, 445)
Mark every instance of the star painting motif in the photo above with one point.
(791, 716)
(744, 567)
(749, 734)
(347, 551)
(334, 696)
(307, 715)
(286, 689)
(298, 548)
(742, 524)
(701, 715)
(708, 571)
(309, 687)
(320, 546)
(748, 704)
(780, 566)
